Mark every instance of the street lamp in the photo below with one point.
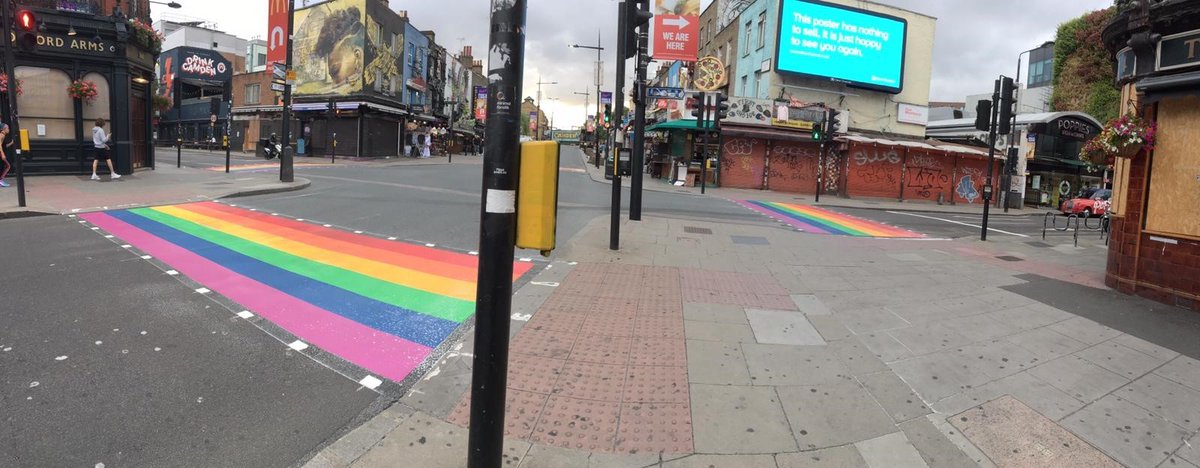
(585, 95)
(538, 117)
(598, 49)
(175, 5)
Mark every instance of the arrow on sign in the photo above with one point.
(679, 22)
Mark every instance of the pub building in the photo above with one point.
(197, 84)
(104, 43)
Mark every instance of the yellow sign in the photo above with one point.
(24, 140)
(800, 124)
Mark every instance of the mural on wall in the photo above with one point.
(329, 41)
(386, 62)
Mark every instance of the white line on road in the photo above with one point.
(957, 222)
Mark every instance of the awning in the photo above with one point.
(1169, 86)
(681, 124)
(423, 117)
(1060, 161)
(766, 133)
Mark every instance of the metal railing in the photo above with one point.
(1050, 222)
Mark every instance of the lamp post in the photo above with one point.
(1012, 137)
(174, 5)
(537, 125)
(599, 75)
(585, 95)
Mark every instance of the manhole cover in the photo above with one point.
(1039, 244)
(696, 230)
(750, 240)
(1010, 258)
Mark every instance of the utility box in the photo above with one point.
(537, 196)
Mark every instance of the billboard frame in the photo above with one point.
(852, 84)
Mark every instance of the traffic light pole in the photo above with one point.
(14, 123)
(286, 170)
(614, 227)
(639, 125)
(497, 235)
(987, 193)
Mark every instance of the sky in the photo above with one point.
(975, 40)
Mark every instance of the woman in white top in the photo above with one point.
(100, 142)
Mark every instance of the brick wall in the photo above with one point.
(265, 95)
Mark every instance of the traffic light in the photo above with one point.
(637, 15)
(832, 122)
(816, 131)
(26, 26)
(1007, 99)
(699, 101)
(607, 113)
(722, 106)
(1010, 163)
(983, 115)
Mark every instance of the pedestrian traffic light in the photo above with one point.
(983, 115)
(607, 113)
(26, 35)
(637, 15)
(832, 122)
(816, 131)
(1007, 99)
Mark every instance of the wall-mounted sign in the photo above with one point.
(203, 66)
(416, 83)
(912, 114)
(847, 45)
(193, 63)
(710, 74)
(669, 93)
(277, 19)
(1179, 50)
(676, 30)
(76, 44)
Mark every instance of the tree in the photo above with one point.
(1084, 77)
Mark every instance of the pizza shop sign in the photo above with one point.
(204, 66)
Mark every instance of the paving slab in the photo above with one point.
(928, 338)
(885, 347)
(1012, 434)
(997, 358)
(856, 357)
(890, 451)
(830, 327)
(714, 362)
(1079, 378)
(739, 420)
(1190, 451)
(345, 450)
(720, 313)
(1130, 434)
(835, 414)
(935, 448)
(980, 327)
(783, 327)
(1121, 359)
(1085, 330)
(1174, 402)
(939, 375)
(901, 403)
(544, 456)
(846, 456)
(1030, 316)
(871, 319)
(1182, 369)
(724, 332)
(425, 441)
(810, 304)
(1146, 347)
(721, 461)
(793, 365)
(1033, 392)
(1046, 343)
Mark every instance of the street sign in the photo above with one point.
(605, 97)
(291, 77)
(277, 87)
(279, 70)
(668, 93)
(676, 30)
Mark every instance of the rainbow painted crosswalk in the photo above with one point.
(821, 221)
(382, 305)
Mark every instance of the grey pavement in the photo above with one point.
(887, 346)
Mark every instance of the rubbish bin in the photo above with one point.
(1014, 199)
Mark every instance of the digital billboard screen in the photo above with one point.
(859, 48)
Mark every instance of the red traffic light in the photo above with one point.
(25, 20)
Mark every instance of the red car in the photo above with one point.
(1093, 203)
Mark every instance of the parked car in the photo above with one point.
(1094, 202)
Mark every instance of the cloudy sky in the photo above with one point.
(976, 40)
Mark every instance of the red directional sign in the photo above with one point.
(676, 30)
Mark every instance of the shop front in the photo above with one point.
(81, 49)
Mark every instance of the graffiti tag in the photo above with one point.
(863, 158)
(738, 147)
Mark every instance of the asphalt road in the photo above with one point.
(107, 359)
(1026, 227)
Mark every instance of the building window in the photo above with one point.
(744, 86)
(98, 109)
(746, 41)
(762, 29)
(46, 109)
(252, 95)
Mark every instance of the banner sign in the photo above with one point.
(533, 120)
(668, 93)
(676, 30)
(481, 95)
(277, 20)
(605, 97)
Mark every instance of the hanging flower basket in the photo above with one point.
(1124, 137)
(83, 90)
(4, 84)
(145, 35)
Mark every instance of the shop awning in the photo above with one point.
(1061, 161)
(766, 133)
(681, 124)
(424, 117)
(1168, 86)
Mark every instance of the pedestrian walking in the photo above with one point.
(100, 142)
(4, 143)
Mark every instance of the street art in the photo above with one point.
(379, 304)
(862, 157)
(329, 42)
(386, 62)
(966, 189)
(821, 221)
(792, 163)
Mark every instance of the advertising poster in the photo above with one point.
(605, 97)
(676, 30)
(277, 11)
(533, 121)
(329, 41)
(481, 96)
(846, 45)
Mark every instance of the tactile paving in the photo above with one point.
(545, 343)
(655, 428)
(578, 424)
(533, 373)
(591, 381)
(656, 384)
(658, 351)
(601, 349)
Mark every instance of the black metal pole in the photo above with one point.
(703, 163)
(228, 142)
(13, 117)
(614, 228)
(637, 165)
(286, 170)
(987, 195)
(497, 234)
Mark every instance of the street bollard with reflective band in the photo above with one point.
(537, 196)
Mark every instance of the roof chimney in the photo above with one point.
(467, 51)
(403, 13)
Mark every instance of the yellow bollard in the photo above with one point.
(537, 196)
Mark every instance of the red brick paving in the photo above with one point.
(754, 290)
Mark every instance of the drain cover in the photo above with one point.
(1039, 244)
(749, 240)
(1010, 258)
(696, 230)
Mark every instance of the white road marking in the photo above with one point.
(126, 246)
(391, 238)
(298, 345)
(370, 382)
(472, 253)
(108, 236)
(245, 314)
(525, 259)
(544, 283)
(430, 245)
(327, 225)
(146, 257)
(358, 232)
(522, 317)
(957, 222)
(95, 228)
(202, 290)
(98, 343)
(60, 358)
(299, 219)
(172, 272)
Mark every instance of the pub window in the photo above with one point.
(46, 108)
(252, 94)
(100, 108)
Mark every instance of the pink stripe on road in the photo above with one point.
(387, 355)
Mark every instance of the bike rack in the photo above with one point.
(1050, 221)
